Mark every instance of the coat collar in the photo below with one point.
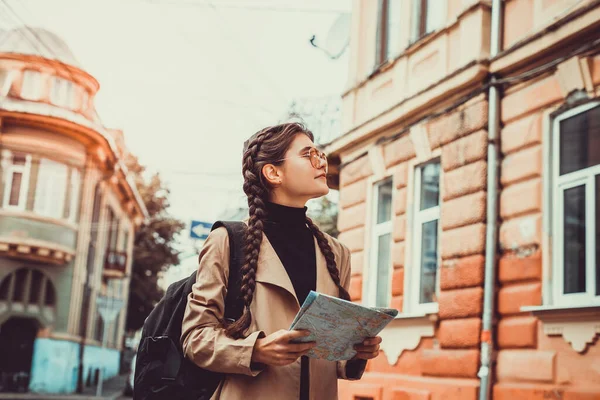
(271, 270)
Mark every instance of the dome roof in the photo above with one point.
(38, 42)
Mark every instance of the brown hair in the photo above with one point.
(266, 147)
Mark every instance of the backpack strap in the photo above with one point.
(236, 231)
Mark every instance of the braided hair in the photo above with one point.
(266, 147)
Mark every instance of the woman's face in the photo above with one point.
(297, 180)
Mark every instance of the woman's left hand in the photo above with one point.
(368, 349)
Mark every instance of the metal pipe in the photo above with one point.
(491, 241)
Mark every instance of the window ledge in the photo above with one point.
(578, 325)
(405, 333)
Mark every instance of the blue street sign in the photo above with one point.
(200, 230)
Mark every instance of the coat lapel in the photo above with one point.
(325, 284)
(270, 269)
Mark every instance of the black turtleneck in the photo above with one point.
(294, 244)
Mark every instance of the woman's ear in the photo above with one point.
(272, 174)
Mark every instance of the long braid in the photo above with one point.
(256, 194)
(329, 257)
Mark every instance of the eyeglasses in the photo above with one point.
(317, 158)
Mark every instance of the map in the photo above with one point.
(336, 325)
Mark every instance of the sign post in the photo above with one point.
(108, 308)
(199, 230)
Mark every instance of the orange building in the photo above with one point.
(68, 214)
(469, 179)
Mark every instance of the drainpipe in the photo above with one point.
(491, 241)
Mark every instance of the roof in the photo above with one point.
(37, 42)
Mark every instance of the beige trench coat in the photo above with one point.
(273, 308)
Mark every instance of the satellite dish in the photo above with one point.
(338, 37)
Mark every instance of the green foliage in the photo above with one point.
(153, 249)
(324, 214)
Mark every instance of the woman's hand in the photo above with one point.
(368, 349)
(277, 350)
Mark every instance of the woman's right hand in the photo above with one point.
(277, 350)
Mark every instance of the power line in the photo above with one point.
(252, 7)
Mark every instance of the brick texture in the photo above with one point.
(354, 239)
(526, 365)
(462, 272)
(517, 332)
(461, 122)
(520, 267)
(531, 97)
(464, 151)
(460, 303)
(356, 288)
(397, 303)
(464, 180)
(512, 298)
(401, 175)
(463, 241)
(398, 254)
(353, 194)
(521, 232)
(535, 391)
(410, 394)
(355, 171)
(465, 210)
(398, 282)
(460, 333)
(522, 165)
(400, 201)
(521, 198)
(399, 228)
(450, 363)
(521, 133)
(399, 150)
(352, 217)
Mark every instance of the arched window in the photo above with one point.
(28, 286)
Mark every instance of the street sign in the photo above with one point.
(200, 230)
(109, 307)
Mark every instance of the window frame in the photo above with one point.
(43, 207)
(419, 218)
(559, 184)
(419, 20)
(62, 92)
(25, 170)
(75, 183)
(376, 231)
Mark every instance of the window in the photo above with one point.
(50, 192)
(426, 218)
(388, 30)
(112, 230)
(379, 274)
(62, 93)
(428, 15)
(17, 180)
(32, 85)
(74, 188)
(576, 258)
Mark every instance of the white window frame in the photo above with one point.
(75, 189)
(51, 206)
(441, 5)
(419, 218)
(7, 82)
(25, 170)
(559, 185)
(378, 230)
(32, 84)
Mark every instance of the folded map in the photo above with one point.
(336, 325)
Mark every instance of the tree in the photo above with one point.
(153, 248)
(324, 214)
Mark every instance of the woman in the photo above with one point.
(286, 256)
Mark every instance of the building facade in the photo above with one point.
(469, 179)
(68, 213)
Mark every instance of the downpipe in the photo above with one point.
(491, 242)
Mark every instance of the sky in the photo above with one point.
(189, 80)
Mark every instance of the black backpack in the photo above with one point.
(161, 369)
